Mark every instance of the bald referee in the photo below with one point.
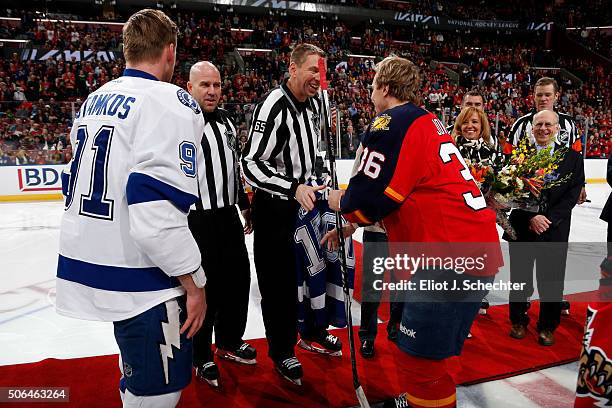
(278, 159)
(217, 229)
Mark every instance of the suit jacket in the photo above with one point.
(607, 210)
(557, 204)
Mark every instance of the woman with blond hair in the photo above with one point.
(473, 138)
(472, 135)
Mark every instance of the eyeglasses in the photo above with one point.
(546, 124)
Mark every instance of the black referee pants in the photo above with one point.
(220, 237)
(274, 225)
(374, 246)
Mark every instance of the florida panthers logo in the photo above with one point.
(381, 123)
(595, 370)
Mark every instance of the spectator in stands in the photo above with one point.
(488, 54)
(19, 96)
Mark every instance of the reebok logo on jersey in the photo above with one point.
(188, 101)
(408, 332)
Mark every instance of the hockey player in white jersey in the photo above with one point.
(126, 254)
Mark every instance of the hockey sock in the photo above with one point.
(429, 384)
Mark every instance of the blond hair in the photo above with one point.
(547, 81)
(145, 35)
(401, 76)
(465, 115)
(302, 51)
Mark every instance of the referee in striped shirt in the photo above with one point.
(545, 95)
(278, 159)
(219, 233)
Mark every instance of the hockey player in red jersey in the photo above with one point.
(594, 387)
(414, 180)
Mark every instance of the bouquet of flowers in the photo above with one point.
(516, 180)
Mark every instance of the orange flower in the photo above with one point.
(479, 175)
(508, 148)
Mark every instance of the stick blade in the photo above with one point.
(361, 397)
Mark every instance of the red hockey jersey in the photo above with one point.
(595, 369)
(413, 178)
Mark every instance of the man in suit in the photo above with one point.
(550, 225)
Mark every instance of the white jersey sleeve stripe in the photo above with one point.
(114, 278)
(142, 188)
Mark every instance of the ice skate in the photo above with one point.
(397, 402)
(327, 344)
(290, 369)
(484, 306)
(245, 354)
(208, 372)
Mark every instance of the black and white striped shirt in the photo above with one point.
(283, 143)
(220, 182)
(522, 128)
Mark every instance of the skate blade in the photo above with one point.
(310, 347)
(213, 383)
(297, 381)
(235, 358)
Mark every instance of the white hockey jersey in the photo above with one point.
(124, 236)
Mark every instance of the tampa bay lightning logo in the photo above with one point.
(188, 101)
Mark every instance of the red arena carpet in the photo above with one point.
(491, 354)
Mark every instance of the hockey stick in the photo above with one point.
(325, 112)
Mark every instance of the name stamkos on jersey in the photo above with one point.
(188, 101)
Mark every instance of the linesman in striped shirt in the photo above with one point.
(219, 233)
(545, 95)
(278, 160)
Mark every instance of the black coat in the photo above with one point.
(478, 151)
(605, 214)
(557, 204)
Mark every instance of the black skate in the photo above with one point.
(290, 369)
(565, 307)
(397, 402)
(326, 343)
(245, 354)
(484, 305)
(209, 373)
